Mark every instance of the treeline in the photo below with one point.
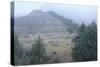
(85, 43)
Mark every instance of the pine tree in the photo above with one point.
(82, 27)
(38, 54)
(85, 44)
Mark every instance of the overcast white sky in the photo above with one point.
(78, 13)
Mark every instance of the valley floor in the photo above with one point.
(58, 45)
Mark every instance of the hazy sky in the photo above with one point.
(78, 13)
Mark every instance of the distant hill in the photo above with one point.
(38, 21)
(68, 23)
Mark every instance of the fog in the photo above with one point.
(78, 13)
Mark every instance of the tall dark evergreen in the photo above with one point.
(85, 44)
(82, 28)
(38, 55)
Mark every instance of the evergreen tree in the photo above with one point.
(85, 44)
(82, 27)
(38, 54)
